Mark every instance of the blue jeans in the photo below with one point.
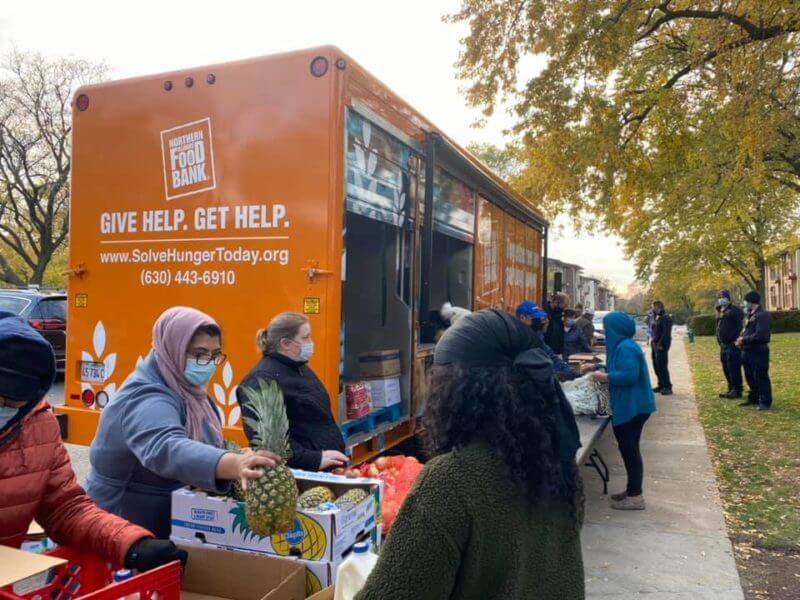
(731, 358)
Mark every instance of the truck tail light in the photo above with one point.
(87, 397)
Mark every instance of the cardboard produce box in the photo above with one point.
(384, 392)
(213, 574)
(317, 535)
(319, 575)
(326, 594)
(381, 364)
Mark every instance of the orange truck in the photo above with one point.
(294, 182)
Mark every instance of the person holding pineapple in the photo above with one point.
(286, 346)
(497, 514)
(36, 476)
(161, 431)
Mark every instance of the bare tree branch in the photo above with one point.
(35, 128)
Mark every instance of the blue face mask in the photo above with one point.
(570, 322)
(198, 374)
(723, 302)
(6, 414)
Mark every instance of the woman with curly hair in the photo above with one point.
(496, 515)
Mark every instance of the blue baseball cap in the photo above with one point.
(527, 308)
(538, 314)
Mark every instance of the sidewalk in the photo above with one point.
(677, 549)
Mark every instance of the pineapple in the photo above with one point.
(312, 498)
(270, 501)
(237, 491)
(350, 498)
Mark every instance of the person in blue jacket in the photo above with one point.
(632, 401)
(535, 318)
(161, 431)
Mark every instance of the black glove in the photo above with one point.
(148, 554)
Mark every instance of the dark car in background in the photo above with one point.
(45, 311)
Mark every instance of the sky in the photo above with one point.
(406, 45)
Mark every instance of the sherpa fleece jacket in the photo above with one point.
(467, 532)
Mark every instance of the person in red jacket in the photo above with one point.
(36, 476)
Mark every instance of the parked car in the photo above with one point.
(599, 332)
(641, 328)
(46, 312)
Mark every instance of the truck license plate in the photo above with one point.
(93, 372)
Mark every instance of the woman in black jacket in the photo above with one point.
(315, 438)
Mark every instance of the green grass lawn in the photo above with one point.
(756, 454)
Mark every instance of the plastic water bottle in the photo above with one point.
(125, 575)
(353, 572)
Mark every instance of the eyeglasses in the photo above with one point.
(206, 359)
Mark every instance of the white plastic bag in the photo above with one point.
(586, 396)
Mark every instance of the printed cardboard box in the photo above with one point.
(384, 392)
(318, 536)
(322, 574)
(319, 575)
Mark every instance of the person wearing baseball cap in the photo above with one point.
(729, 326)
(526, 310)
(36, 476)
(754, 343)
(533, 316)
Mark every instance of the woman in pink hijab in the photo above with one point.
(161, 431)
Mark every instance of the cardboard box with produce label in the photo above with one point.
(384, 392)
(319, 575)
(319, 535)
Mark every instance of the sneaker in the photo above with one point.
(619, 496)
(629, 503)
(733, 395)
(666, 392)
(656, 389)
(748, 403)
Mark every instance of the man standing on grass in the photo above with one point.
(729, 326)
(754, 343)
(660, 344)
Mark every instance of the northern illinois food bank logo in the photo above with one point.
(188, 156)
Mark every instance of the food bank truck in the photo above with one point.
(296, 182)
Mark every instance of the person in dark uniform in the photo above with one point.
(314, 437)
(660, 344)
(754, 343)
(730, 319)
(554, 336)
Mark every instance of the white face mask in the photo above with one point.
(306, 350)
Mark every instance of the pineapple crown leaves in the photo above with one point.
(267, 418)
(240, 524)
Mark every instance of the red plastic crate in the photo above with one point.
(86, 577)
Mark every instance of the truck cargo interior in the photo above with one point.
(376, 295)
(451, 273)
